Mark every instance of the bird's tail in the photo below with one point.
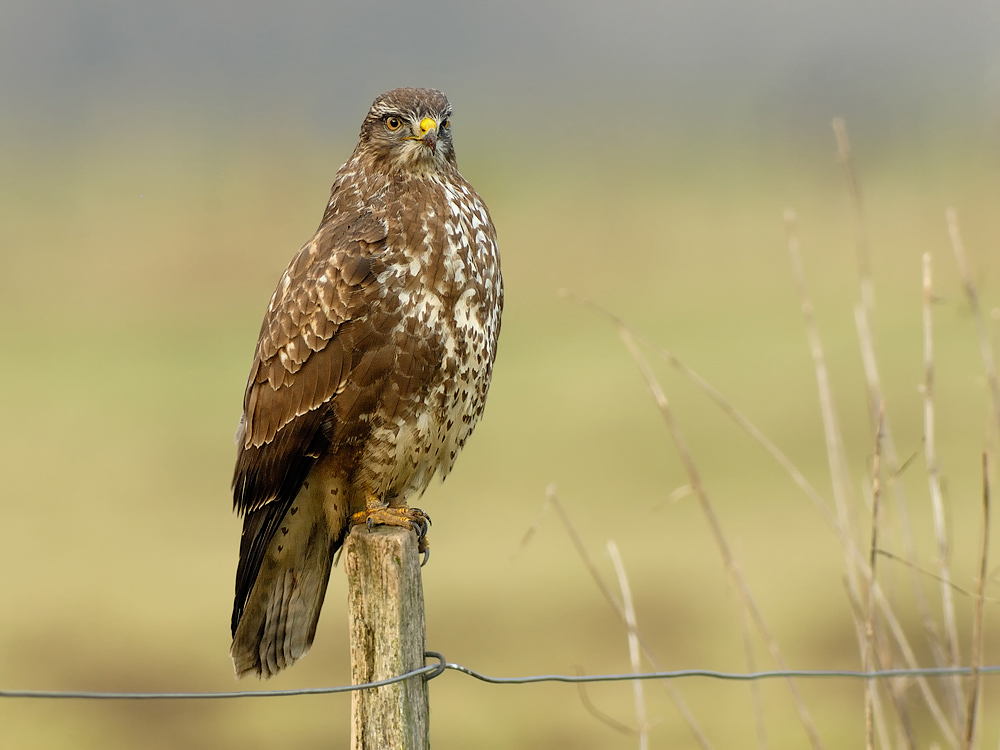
(292, 549)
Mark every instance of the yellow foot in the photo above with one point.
(406, 518)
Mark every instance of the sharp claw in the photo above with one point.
(427, 556)
(370, 524)
(420, 522)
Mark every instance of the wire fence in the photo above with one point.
(431, 671)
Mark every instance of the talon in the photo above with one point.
(413, 519)
(419, 528)
(427, 556)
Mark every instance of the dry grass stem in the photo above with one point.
(595, 574)
(931, 574)
(733, 413)
(633, 644)
(989, 363)
(898, 473)
(977, 621)
(694, 478)
(841, 480)
(758, 703)
(859, 616)
(889, 458)
(910, 658)
(860, 227)
(552, 500)
(839, 474)
(872, 559)
(985, 347)
(863, 316)
(934, 483)
(597, 713)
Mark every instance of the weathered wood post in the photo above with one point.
(386, 616)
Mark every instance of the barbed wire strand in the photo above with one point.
(431, 671)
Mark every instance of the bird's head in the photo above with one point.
(409, 130)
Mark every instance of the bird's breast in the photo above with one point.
(441, 257)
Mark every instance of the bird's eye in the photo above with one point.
(446, 124)
(393, 123)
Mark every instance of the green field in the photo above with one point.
(135, 267)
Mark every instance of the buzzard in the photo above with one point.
(371, 370)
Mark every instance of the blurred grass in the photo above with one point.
(135, 266)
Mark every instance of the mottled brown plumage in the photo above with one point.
(371, 370)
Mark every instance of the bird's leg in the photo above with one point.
(379, 513)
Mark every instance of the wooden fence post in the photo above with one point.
(386, 616)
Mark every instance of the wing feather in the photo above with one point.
(301, 363)
(335, 260)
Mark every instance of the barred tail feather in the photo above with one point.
(276, 623)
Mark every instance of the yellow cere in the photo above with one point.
(427, 124)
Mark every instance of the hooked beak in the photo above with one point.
(428, 133)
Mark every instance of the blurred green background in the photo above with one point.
(161, 163)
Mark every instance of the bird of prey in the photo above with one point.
(371, 370)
